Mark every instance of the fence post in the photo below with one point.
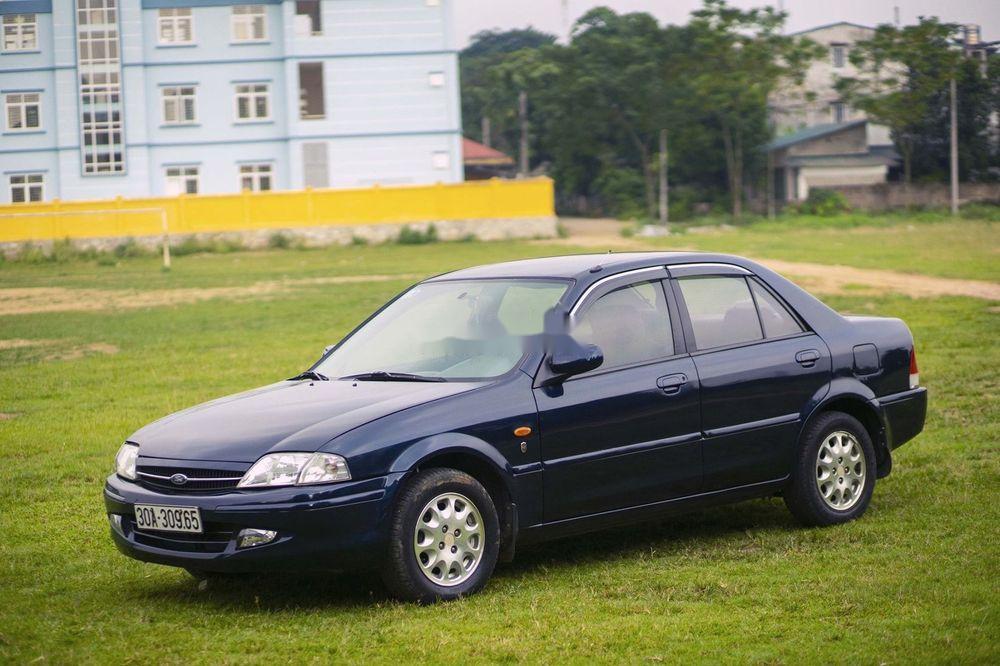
(166, 238)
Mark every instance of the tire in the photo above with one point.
(425, 563)
(834, 486)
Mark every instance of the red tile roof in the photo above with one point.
(476, 153)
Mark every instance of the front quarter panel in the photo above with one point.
(480, 423)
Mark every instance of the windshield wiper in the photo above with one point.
(385, 376)
(310, 374)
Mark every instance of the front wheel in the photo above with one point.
(444, 537)
(834, 476)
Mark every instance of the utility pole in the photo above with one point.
(487, 139)
(522, 106)
(664, 183)
(770, 184)
(954, 147)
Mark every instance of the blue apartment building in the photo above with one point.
(136, 98)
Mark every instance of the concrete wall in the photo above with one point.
(886, 196)
(486, 203)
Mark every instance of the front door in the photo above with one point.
(627, 433)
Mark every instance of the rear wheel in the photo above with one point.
(444, 537)
(834, 476)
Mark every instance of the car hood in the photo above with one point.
(287, 416)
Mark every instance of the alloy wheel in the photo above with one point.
(448, 539)
(841, 470)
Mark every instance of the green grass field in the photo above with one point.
(914, 581)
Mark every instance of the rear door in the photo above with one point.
(760, 368)
(626, 433)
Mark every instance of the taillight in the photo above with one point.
(914, 372)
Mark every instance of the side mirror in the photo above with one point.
(575, 359)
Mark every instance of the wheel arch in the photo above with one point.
(858, 405)
(478, 459)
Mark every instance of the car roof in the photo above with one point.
(577, 266)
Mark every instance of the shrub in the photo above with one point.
(129, 248)
(825, 203)
(622, 190)
(358, 240)
(279, 241)
(409, 236)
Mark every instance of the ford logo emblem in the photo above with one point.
(179, 479)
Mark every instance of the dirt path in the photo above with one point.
(600, 234)
(33, 300)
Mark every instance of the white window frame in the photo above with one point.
(178, 95)
(243, 18)
(251, 173)
(176, 183)
(22, 31)
(174, 17)
(18, 102)
(247, 90)
(26, 183)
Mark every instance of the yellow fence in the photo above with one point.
(485, 199)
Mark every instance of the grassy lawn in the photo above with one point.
(936, 246)
(914, 581)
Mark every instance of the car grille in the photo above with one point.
(214, 539)
(198, 479)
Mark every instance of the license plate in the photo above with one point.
(168, 518)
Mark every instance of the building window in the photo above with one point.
(20, 33)
(315, 170)
(441, 159)
(256, 177)
(102, 131)
(253, 101)
(24, 111)
(838, 112)
(27, 187)
(311, 102)
(249, 23)
(435, 79)
(178, 105)
(182, 180)
(839, 55)
(308, 18)
(175, 26)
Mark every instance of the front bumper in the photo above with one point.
(903, 415)
(328, 527)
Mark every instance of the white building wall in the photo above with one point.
(390, 84)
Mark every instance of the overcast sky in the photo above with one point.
(556, 16)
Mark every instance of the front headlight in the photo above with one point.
(125, 461)
(296, 469)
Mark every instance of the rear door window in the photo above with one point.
(775, 317)
(721, 310)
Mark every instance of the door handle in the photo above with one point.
(671, 384)
(807, 358)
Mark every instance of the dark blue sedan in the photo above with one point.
(507, 404)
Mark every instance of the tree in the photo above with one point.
(902, 75)
(737, 60)
(932, 132)
(488, 49)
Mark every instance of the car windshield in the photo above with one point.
(461, 329)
